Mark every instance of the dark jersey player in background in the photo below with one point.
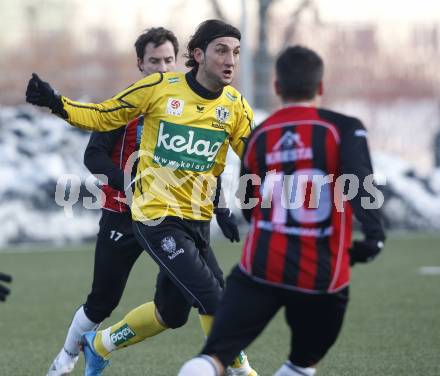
(116, 248)
(297, 256)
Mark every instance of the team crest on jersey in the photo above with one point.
(222, 114)
(288, 141)
(168, 244)
(289, 148)
(175, 106)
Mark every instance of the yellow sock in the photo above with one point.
(239, 360)
(137, 325)
(206, 323)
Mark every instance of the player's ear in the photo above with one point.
(320, 88)
(199, 55)
(277, 88)
(140, 63)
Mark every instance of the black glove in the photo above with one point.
(227, 223)
(4, 291)
(365, 250)
(40, 93)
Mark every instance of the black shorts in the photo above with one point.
(248, 306)
(181, 249)
(116, 252)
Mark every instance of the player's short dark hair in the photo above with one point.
(206, 32)
(299, 71)
(157, 36)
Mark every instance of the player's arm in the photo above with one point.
(4, 291)
(356, 160)
(225, 218)
(97, 157)
(110, 114)
(248, 168)
(242, 127)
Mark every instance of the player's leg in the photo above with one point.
(240, 365)
(172, 308)
(315, 321)
(202, 240)
(239, 319)
(170, 244)
(115, 254)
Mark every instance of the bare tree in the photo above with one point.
(218, 10)
(263, 60)
(305, 5)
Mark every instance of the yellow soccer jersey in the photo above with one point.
(186, 134)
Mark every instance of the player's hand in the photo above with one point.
(40, 93)
(365, 250)
(4, 291)
(227, 223)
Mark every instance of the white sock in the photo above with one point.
(202, 365)
(289, 369)
(79, 325)
(107, 341)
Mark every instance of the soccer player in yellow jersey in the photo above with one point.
(191, 119)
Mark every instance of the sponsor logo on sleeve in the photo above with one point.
(175, 106)
(360, 133)
(231, 97)
(173, 80)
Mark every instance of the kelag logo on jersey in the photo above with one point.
(187, 148)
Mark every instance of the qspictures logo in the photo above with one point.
(187, 148)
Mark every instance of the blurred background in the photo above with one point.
(381, 65)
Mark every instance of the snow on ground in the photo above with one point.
(37, 149)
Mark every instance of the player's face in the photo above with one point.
(158, 59)
(220, 60)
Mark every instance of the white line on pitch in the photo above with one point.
(429, 270)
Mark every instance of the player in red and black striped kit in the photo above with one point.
(307, 171)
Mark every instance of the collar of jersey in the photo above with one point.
(199, 89)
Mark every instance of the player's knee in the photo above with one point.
(174, 319)
(99, 311)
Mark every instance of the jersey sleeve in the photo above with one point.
(97, 157)
(115, 112)
(355, 160)
(242, 127)
(247, 168)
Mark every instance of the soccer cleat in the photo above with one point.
(95, 363)
(63, 364)
(240, 367)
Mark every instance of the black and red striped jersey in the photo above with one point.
(301, 226)
(107, 154)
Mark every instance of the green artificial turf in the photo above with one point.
(392, 326)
